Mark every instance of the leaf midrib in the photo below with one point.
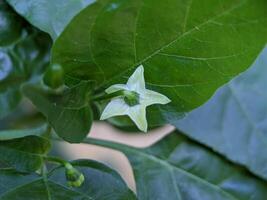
(170, 167)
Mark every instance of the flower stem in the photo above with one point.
(73, 176)
(56, 160)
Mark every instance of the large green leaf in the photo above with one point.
(68, 113)
(24, 149)
(50, 16)
(24, 52)
(233, 122)
(188, 48)
(178, 169)
(101, 183)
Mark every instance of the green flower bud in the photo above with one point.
(74, 177)
(131, 97)
(54, 76)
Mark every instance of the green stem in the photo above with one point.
(43, 170)
(56, 160)
(44, 175)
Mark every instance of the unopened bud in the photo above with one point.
(74, 177)
(54, 76)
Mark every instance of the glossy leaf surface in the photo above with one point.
(50, 16)
(24, 149)
(178, 169)
(68, 113)
(233, 122)
(188, 48)
(101, 183)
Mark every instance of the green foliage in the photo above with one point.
(198, 48)
(68, 112)
(179, 169)
(24, 53)
(100, 184)
(15, 134)
(50, 16)
(10, 25)
(233, 122)
(188, 49)
(24, 149)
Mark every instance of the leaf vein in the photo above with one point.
(156, 52)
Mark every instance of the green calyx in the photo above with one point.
(54, 76)
(74, 177)
(131, 98)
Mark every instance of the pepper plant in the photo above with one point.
(139, 65)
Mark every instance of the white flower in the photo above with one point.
(136, 88)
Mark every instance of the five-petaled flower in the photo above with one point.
(134, 100)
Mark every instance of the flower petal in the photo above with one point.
(137, 81)
(150, 97)
(138, 115)
(116, 87)
(116, 107)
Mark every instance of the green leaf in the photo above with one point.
(12, 178)
(68, 113)
(178, 169)
(23, 117)
(24, 52)
(9, 99)
(20, 62)
(233, 122)
(188, 48)
(11, 25)
(24, 149)
(19, 133)
(10, 32)
(50, 16)
(101, 183)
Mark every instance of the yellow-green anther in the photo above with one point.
(74, 177)
(133, 100)
(54, 76)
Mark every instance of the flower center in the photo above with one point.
(131, 97)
